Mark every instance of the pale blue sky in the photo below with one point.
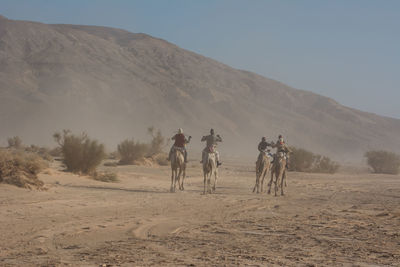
(347, 50)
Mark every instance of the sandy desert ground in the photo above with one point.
(346, 219)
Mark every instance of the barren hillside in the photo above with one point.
(113, 84)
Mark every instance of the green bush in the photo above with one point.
(302, 160)
(80, 153)
(20, 168)
(129, 151)
(383, 161)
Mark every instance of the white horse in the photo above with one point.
(279, 169)
(210, 168)
(178, 168)
(263, 165)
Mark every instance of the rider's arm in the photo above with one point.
(259, 147)
(219, 139)
(187, 141)
(173, 137)
(204, 138)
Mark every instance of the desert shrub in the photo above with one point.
(55, 152)
(383, 161)
(112, 155)
(107, 177)
(324, 165)
(129, 151)
(302, 160)
(80, 153)
(41, 151)
(161, 159)
(20, 168)
(111, 164)
(157, 142)
(14, 142)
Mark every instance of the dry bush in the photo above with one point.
(80, 153)
(20, 168)
(383, 161)
(161, 159)
(41, 151)
(14, 142)
(110, 164)
(56, 152)
(129, 151)
(108, 177)
(112, 155)
(302, 160)
(324, 165)
(157, 142)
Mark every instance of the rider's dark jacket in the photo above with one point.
(262, 146)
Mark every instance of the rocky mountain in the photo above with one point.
(113, 84)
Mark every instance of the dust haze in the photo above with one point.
(114, 84)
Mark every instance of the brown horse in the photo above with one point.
(210, 168)
(178, 168)
(263, 165)
(279, 169)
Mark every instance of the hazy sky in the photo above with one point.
(347, 50)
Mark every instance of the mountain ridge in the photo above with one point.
(113, 84)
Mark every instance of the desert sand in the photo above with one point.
(345, 219)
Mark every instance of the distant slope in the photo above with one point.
(113, 84)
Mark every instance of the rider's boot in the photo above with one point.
(219, 163)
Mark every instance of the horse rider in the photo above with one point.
(281, 146)
(263, 148)
(211, 145)
(180, 143)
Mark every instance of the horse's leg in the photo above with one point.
(177, 174)
(270, 181)
(172, 180)
(215, 179)
(178, 177)
(209, 181)
(277, 174)
(205, 181)
(183, 176)
(262, 180)
(283, 180)
(256, 185)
